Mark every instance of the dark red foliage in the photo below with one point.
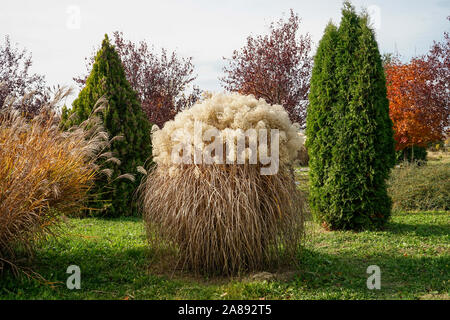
(160, 81)
(438, 63)
(276, 67)
(16, 81)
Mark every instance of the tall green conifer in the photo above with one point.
(349, 132)
(123, 116)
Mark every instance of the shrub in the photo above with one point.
(44, 174)
(425, 187)
(350, 139)
(122, 117)
(412, 154)
(224, 218)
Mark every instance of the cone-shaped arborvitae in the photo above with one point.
(122, 117)
(349, 132)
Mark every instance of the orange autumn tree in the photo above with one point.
(419, 96)
(417, 111)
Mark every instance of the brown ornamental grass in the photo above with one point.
(45, 173)
(225, 218)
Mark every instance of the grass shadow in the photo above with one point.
(422, 230)
(401, 276)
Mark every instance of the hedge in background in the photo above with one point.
(350, 138)
(122, 117)
(424, 187)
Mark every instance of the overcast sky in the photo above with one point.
(61, 33)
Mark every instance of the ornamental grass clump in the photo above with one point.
(218, 209)
(45, 173)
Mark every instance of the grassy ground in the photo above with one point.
(413, 254)
(438, 157)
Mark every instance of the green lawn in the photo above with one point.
(413, 254)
